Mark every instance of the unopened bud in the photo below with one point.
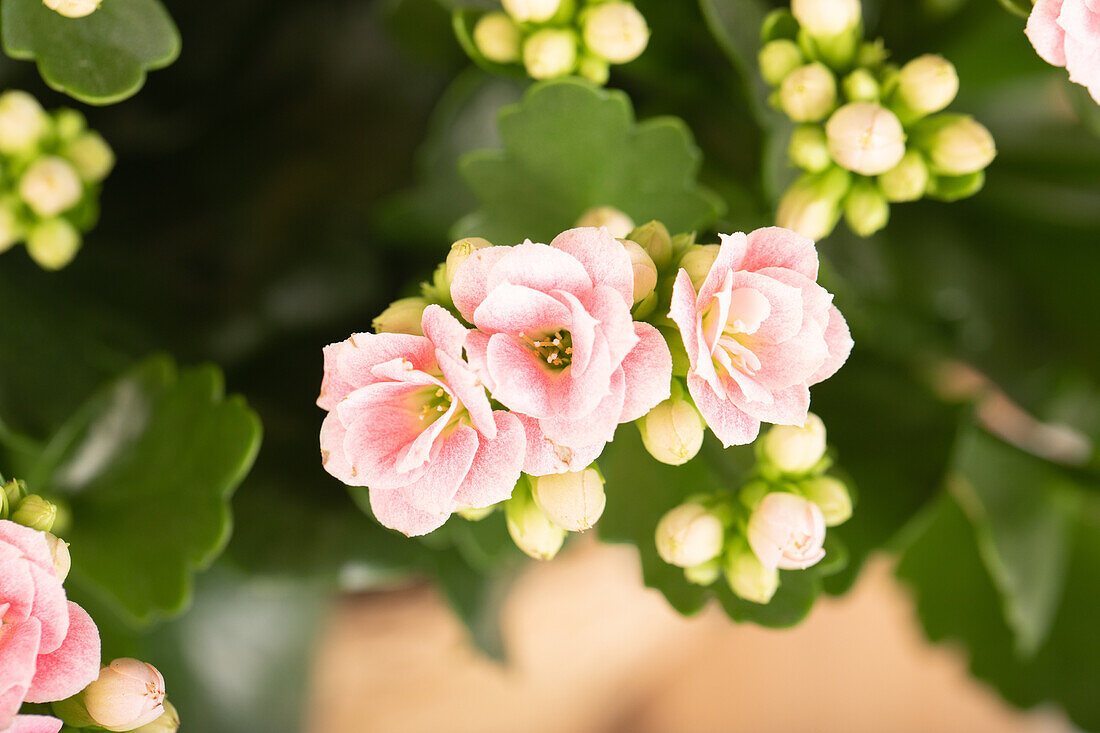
(35, 512)
(11, 229)
(402, 316)
(748, 577)
(953, 188)
(831, 496)
(53, 243)
(871, 53)
(955, 144)
(128, 694)
(91, 155)
(808, 94)
(23, 122)
(866, 209)
(59, 553)
(925, 85)
(550, 53)
(532, 11)
(498, 38)
(460, 252)
(673, 431)
(779, 58)
(615, 31)
(907, 181)
(865, 138)
(645, 272)
(825, 18)
(654, 238)
(860, 86)
(809, 149)
(787, 532)
(704, 574)
(73, 8)
(168, 722)
(689, 535)
(594, 68)
(794, 449)
(697, 261)
(618, 224)
(68, 123)
(573, 501)
(811, 206)
(530, 529)
(50, 186)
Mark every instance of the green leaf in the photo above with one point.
(570, 146)
(148, 466)
(1021, 8)
(101, 58)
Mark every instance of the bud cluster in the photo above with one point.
(544, 508)
(869, 133)
(553, 38)
(775, 521)
(51, 168)
(21, 507)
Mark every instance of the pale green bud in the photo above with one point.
(617, 223)
(475, 514)
(689, 535)
(498, 38)
(697, 261)
(748, 578)
(35, 512)
(794, 449)
(59, 553)
(860, 86)
(645, 272)
(550, 53)
(811, 206)
(530, 529)
(73, 8)
(831, 496)
(825, 18)
(925, 85)
(68, 123)
(654, 238)
(615, 31)
(809, 149)
(808, 94)
(871, 53)
(907, 181)
(402, 316)
(956, 145)
(532, 11)
(673, 431)
(50, 186)
(460, 251)
(91, 155)
(53, 243)
(953, 188)
(573, 501)
(779, 58)
(866, 209)
(11, 229)
(595, 69)
(865, 138)
(23, 122)
(169, 722)
(704, 574)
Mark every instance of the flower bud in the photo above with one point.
(573, 501)
(67, 124)
(748, 577)
(59, 552)
(550, 53)
(530, 529)
(35, 512)
(787, 532)
(824, 18)
(168, 722)
(811, 206)
(73, 8)
(866, 209)
(794, 449)
(498, 38)
(926, 84)
(906, 181)
(594, 68)
(689, 535)
(860, 86)
(697, 262)
(532, 11)
(91, 155)
(645, 272)
(808, 94)
(615, 31)
(865, 138)
(831, 496)
(956, 145)
(402, 316)
(673, 431)
(128, 694)
(618, 224)
(953, 188)
(11, 229)
(871, 53)
(779, 58)
(704, 574)
(23, 122)
(460, 252)
(50, 186)
(654, 238)
(809, 149)
(53, 243)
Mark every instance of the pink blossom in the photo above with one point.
(49, 646)
(556, 342)
(409, 419)
(758, 333)
(787, 532)
(1067, 33)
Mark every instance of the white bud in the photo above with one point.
(91, 155)
(618, 224)
(530, 529)
(532, 11)
(777, 59)
(402, 316)
(794, 449)
(673, 431)
(697, 262)
(550, 53)
(59, 553)
(23, 122)
(615, 31)
(748, 577)
(865, 138)
(573, 501)
(498, 38)
(860, 86)
(128, 694)
(53, 243)
(957, 145)
(831, 496)
(689, 535)
(927, 84)
(811, 206)
(73, 8)
(50, 186)
(826, 18)
(808, 93)
(906, 181)
(809, 149)
(787, 532)
(645, 272)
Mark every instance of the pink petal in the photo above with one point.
(364, 351)
(470, 284)
(616, 323)
(1080, 24)
(374, 443)
(520, 381)
(30, 542)
(515, 309)
(372, 396)
(443, 330)
(730, 255)
(73, 666)
(332, 451)
(544, 456)
(603, 257)
(468, 390)
(16, 583)
(333, 387)
(49, 608)
(582, 329)
(392, 510)
(1083, 64)
(839, 342)
(729, 424)
(477, 346)
(434, 492)
(684, 314)
(35, 724)
(779, 247)
(785, 300)
(595, 426)
(18, 654)
(542, 268)
(648, 372)
(1045, 34)
(788, 407)
(584, 389)
(497, 464)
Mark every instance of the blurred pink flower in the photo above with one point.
(409, 419)
(1067, 33)
(49, 646)
(556, 342)
(787, 532)
(758, 333)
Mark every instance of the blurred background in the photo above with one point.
(295, 171)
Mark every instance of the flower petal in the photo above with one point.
(468, 390)
(515, 309)
(497, 464)
(604, 258)
(392, 510)
(779, 247)
(596, 426)
(1045, 34)
(470, 284)
(730, 255)
(730, 424)
(540, 267)
(434, 492)
(838, 339)
(35, 724)
(648, 372)
(72, 666)
(544, 456)
(443, 330)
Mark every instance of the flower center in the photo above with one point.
(747, 310)
(434, 404)
(555, 349)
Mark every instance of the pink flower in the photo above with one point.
(787, 532)
(409, 420)
(49, 646)
(758, 333)
(556, 342)
(1067, 33)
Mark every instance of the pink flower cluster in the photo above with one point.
(1067, 33)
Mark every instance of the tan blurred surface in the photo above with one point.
(593, 651)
